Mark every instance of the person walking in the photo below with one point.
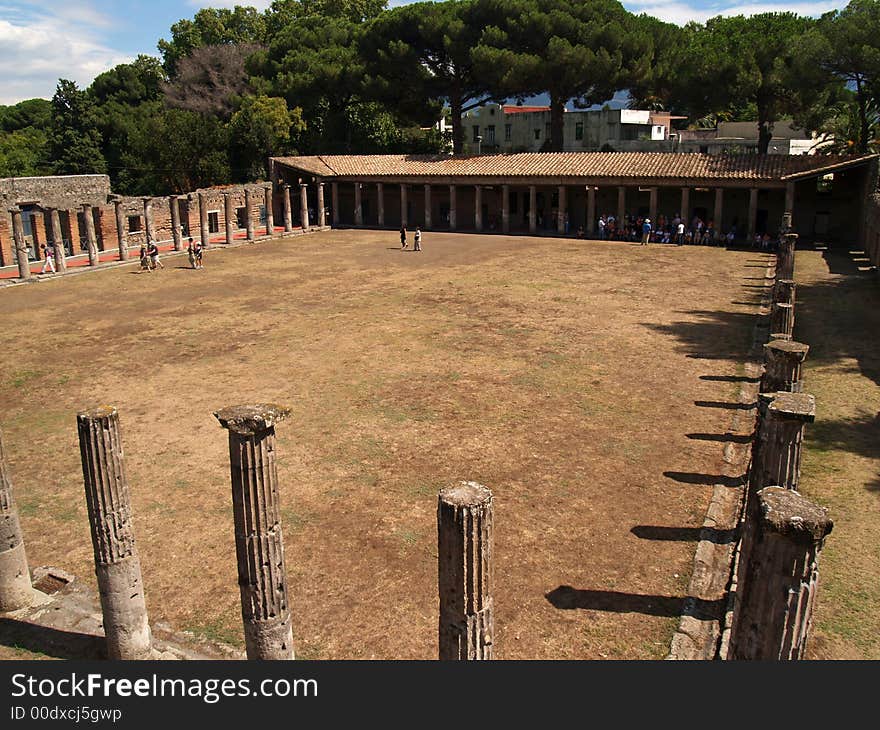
(145, 258)
(49, 256)
(191, 253)
(417, 240)
(153, 253)
(200, 253)
(403, 236)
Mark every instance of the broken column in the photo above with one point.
(15, 578)
(91, 238)
(785, 256)
(464, 572)
(117, 565)
(782, 318)
(21, 254)
(259, 545)
(270, 214)
(57, 240)
(120, 229)
(176, 233)
(776, 459)
(784, 291)
(783, 362)
(249, 213)
(777, 591)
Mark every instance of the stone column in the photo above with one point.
(322, 213)
(464, 571)
(776, 458)
(259, 544)
(685, 212)
(148, 219)
(785, 256)
(505, 208)
(304, 206)
(229, 215)
(58, 240)
(785, 291)
(533, 213)
(452, 221)
(270, 214)
(117, 565)
(288, 212)
(175, 222)
(779, 577)
(334, 201)
(478, 207)
(789, 200)
(783, 361)
(652, 207)
(15, 578)
(403, 205)
(249, 213)
(204, 233)
(121, 231)
(753, 212)
(560, 212)
(719, 210)
(782, 319)
(621, 204)
(591, 210)
(91, 238)
(427, 207)
(358, 206)
(380, 204)
(21, 255)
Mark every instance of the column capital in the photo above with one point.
(793, 406)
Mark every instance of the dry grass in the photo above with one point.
(839, 317)
(565, 375)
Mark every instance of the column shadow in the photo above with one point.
(567, 598)
(51, 641)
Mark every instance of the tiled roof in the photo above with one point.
(515, 109)
(641, 165)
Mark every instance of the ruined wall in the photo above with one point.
(59, 191)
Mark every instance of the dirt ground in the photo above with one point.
(588, 384)
(838, 315)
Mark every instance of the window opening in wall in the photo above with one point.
(81, 226)
(476, 132)
(241, 217)
(537, 133)
(262, 215)
(134, 223)
(579, 130)
(490, 134)
(213, 221)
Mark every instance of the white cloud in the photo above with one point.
(55, 42)
(682, 12)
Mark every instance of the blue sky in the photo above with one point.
(78, 39)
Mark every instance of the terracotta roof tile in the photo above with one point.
(654, 165)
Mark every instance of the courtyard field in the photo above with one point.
(588, 384)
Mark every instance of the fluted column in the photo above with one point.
(685, 206)
(776, 459)
(91, 238)
(621, 205)
(270, 214)
(57, 240)
(652, 206)
(358, 206)
(15, 578)
(427, 207)
(452, 212)
(288, 211)
(464, 569)
(380, 204)
(753, 212)
(403, 205)
(591, 209)
(304, 206)
(259, 544)
(560, 212)
(121, 242)
(148, 219)
(175, 222)
(718, 211)
(334, 201)
(249, 213)
(505, 208)
(117, 565)
(478, 207)
(21, 255)
(322, 212)
(782, 318)
(229, 215)
(204, 233)
(785, 256)
(533, 213)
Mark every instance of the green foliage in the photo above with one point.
(74, 142)
(24, 129)
(36, 113)
(261, 127)
(130, 83)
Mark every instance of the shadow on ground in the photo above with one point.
(568, 598)
(50, 641)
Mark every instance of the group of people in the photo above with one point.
(675, 230)
(196, 254)
(417, 238)
(149, 255)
